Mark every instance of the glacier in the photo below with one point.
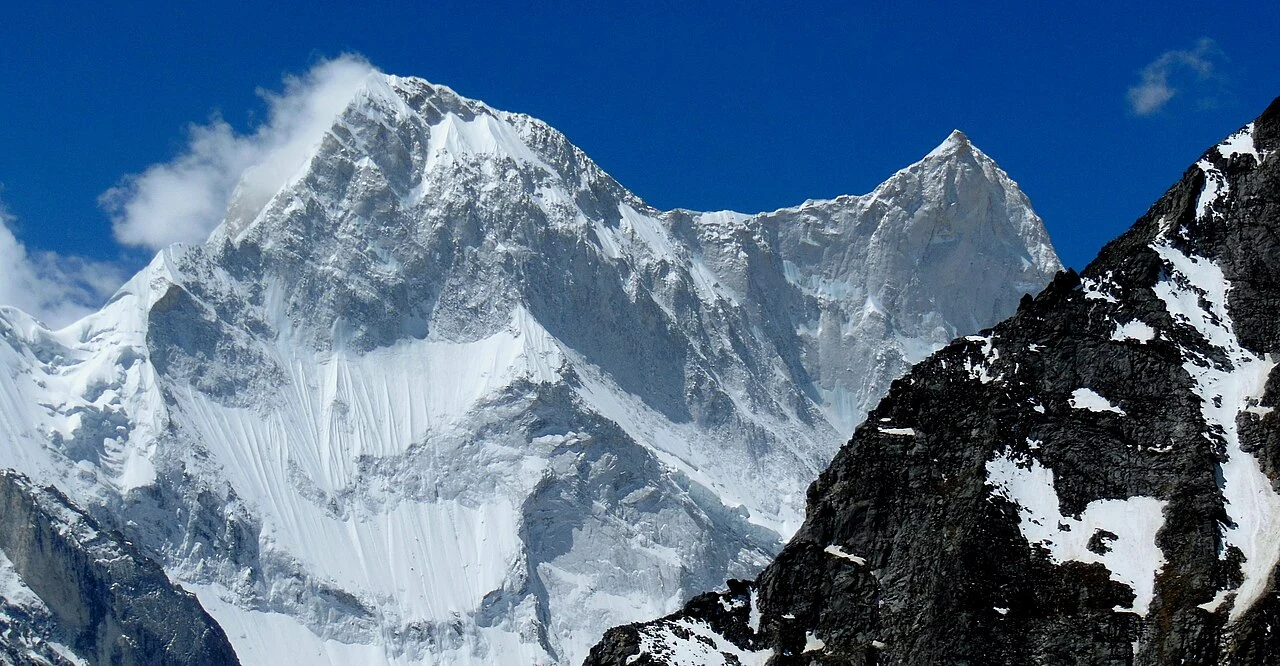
(453, 395)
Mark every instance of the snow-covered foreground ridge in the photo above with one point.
(454, 395)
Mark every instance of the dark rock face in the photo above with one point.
(1090, 482)
(75, 592)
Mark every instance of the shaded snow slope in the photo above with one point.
(454, 395)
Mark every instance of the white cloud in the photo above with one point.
(1195, 66)
(53, 288)
(184, 199)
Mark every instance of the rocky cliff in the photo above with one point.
(73, 593)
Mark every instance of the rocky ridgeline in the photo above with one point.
(1092, 481)
(75, 593)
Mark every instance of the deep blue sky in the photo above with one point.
(748, 106)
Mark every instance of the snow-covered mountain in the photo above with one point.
(453, 395)
(1092, 481)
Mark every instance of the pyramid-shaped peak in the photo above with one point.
(956, 143)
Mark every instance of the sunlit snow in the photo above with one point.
(1135, 330)
(1226, 390)
(840, 553)
(1087, 398)
(1133, 557)
(375, 499)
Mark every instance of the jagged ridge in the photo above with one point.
(74, 592)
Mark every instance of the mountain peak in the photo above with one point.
(406, 137)
(438, 338)
(956, 143)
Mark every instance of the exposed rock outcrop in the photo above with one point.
(74, 593)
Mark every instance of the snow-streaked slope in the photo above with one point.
(453, 395)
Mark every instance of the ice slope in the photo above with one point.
(453, 395)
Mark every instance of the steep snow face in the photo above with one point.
(453, 395)
(943, 248)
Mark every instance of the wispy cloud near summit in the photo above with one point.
(1195, 66)
(182, 200)
(55, 289)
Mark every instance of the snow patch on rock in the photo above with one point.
(840, 553)
(1087, 398)
(695, 643)
(1099, 289)
(1226, 390)
(1215, 187)
(1133, 558)
(1241, 143)
(1136, 330)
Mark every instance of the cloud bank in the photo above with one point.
(1196, 66)
(53, 288)
(184, 199)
